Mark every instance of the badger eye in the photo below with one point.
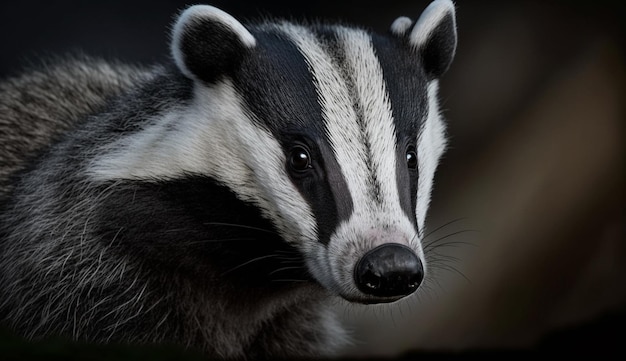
(411, 157)
(299, 159)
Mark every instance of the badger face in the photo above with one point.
(333, 133)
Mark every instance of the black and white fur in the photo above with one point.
(219, 202)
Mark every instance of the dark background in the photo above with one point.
(535, 106)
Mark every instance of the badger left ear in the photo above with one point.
(433, 36)
(208, 44)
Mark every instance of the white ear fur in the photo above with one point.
(401, 25)
(204, 13)
(429, 20)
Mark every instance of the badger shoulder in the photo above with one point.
(42, 102)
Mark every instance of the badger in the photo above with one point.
(225, 200)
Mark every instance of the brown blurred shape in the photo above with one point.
(535, 101)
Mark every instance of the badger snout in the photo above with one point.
(373, 264)
(389, 270)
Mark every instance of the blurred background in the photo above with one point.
(527, 220)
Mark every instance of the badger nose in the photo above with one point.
(389, 270)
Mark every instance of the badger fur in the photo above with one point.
(221, 201)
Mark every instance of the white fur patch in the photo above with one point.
(429, 20)
(214, 137)
(197, 13)
(401, 25)
(431, 145)
(336, 104)
(375, 128)
(352, 125)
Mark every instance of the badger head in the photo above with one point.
(332, 132)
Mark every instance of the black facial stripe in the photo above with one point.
(407, 89)
(278, 88)
(339, 194)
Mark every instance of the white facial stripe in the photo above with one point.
(360, 126)
(334, 98)
(430, 146)
(215, 137)
(348, 134)
(374, 108)
(336, 106)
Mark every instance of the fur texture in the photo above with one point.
(221, 201)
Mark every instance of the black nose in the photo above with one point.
(389, 270)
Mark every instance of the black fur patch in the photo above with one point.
(278, 89)
(211, 50)
(198, 228)
(439, 50)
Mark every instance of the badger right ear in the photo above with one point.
(433, 35)
(208, 44)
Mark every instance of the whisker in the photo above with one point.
(435, 257)
(444, 225)
(218, 240)
(284, 269)
(205, 241)
(289, 280)
(175, 230)
(239, 226)
(450, 268)
(431, 244)
(248, 262)
(289, 257)
(451, 244)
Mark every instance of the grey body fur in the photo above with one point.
(219, 202)
(73, 276)
(41, 104)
